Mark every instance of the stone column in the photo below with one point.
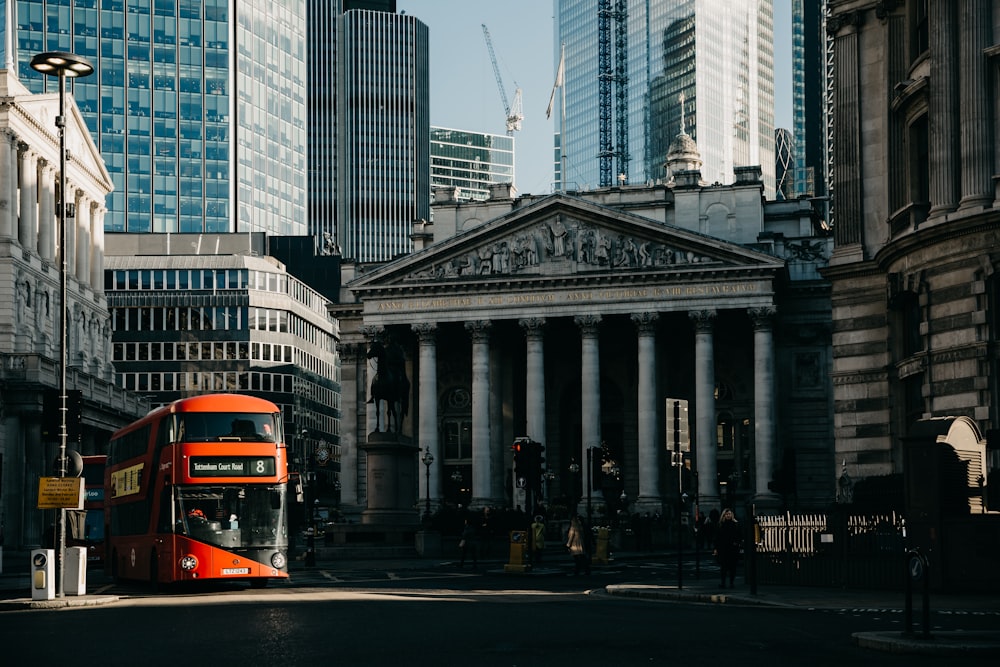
(427, 425)
(704, 408)
(8, 201)
(352, 396)
(82, 238)
(974, 93)
(590, 389)
(943, 100)
(481, 464)
(534, 329)
(848, 147)
(97, 249)
(649, 499)
(27, 228)
(763, 404)
(46, 212)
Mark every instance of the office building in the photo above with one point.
(717, 53)
(198, 108)
(811, 119)
(196, 314)
(369, 127)
(470, 162)
(784, 164)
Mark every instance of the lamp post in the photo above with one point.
(428, 459)
(590, 483)
(62, 65)
(574, 468)
(303, 434)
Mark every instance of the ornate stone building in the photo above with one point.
(575, 318)
(30, 295)
(915, 287)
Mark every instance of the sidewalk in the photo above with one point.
(15, 594)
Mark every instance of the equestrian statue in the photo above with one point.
(389, 384)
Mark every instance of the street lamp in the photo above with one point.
(428, 459)
(62, 65)
(574, 468)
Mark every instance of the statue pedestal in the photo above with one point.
(392, 480)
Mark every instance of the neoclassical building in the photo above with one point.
(577, 319)
(30, 301)
(914, 272)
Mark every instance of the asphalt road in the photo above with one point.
(441, 615)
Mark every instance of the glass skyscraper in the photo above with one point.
(718, 53)
(809, 82)
(470, 161)
(198, 107)
(369, 127)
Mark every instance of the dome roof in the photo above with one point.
(683, 148)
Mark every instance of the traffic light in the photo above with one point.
(539, 462)
(520, 457)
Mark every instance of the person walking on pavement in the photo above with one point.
(577, 541)
(537, 539)
(727, 546)
(467, 544)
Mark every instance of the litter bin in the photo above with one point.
(75, 574)
(518, 542)
(43, 574)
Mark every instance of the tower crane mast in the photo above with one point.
(514, 114)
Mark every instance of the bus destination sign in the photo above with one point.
(232, 466)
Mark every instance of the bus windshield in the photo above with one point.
(232, 516)
(218, 426)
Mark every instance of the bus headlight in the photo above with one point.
(278, 560)
(189, 563)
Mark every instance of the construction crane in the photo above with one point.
(514, 113)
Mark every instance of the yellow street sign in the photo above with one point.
(56, 492)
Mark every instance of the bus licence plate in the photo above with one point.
(236, 570)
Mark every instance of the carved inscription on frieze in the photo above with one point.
(557, 298)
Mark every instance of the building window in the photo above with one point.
(457, 440)
(918, 161)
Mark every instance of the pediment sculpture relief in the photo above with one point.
(560, 245)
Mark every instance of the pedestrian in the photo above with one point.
(537, 539)
(727, 546)
(578, 543)
(467, 544)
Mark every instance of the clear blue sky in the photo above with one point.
(464, 92)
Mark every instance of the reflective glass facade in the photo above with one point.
(808, 85)
(719, 53)
(369, 121)
(197, 106)
(470, 161)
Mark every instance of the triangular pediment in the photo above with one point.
(563, 238)
(38, 127)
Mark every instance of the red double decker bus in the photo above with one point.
(197, 490)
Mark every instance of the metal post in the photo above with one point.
(428, 459)
(680, 494)
(590, 483)
(61, 65)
